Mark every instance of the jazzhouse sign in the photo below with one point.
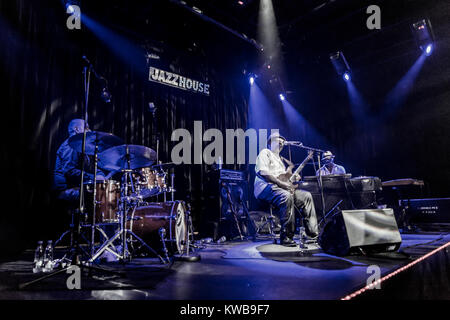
(177, 81)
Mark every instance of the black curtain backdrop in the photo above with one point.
(41, 72)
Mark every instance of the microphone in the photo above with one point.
(105, 95)
(293, 143)
(86, 60)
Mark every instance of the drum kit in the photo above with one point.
(126, 199)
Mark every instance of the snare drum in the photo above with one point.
(171, 215)
(107, 200)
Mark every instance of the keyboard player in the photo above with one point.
(329, 167)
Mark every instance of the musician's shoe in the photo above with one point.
(288, 242)
(311, 240)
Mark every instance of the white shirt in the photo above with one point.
(269, 162)
(337, 169)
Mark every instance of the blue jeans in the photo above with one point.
(285, 202)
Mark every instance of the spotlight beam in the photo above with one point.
(397, 97)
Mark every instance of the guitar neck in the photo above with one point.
(301, 166)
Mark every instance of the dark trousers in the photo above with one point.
(285, 202)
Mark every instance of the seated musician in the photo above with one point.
(67, 172)
(329, 166)
(281, 194)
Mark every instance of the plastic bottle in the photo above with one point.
(222, 239)
(48, 257)
(38, 258)
(303, 237)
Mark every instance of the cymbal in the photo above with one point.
(104, 141)
(116, 158)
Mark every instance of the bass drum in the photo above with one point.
(171, 215)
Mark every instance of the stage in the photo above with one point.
(253, 270)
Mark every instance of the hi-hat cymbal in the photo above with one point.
(104, 141)
(126, 156)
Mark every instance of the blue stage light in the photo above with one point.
(429, 49)
(423, 33)
(251, 80)
(71, 6)
(282, 97)
(347, 76)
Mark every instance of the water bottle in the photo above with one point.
(38, 258)
(303, 237)
(222, 239)
(48, 257)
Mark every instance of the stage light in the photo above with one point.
(347, 76)
(429, 49)
(282, 97)
(70, 5)
(241, 3)
(423, 34)
(340, 65)
(251, 80)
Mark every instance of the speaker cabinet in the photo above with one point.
(349, 231)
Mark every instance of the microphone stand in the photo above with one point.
(319, 177)
(75, 250)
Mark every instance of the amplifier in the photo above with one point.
(233, 175)
(427, 210)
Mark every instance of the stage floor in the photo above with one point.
(235, 270)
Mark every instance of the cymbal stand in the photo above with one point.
(165, 188)
(172, 186)
(94, 200)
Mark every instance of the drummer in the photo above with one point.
(67, 172)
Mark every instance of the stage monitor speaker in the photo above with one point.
(372, 230)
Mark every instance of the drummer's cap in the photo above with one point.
(74, 124)
(327, 155)
(273, 136)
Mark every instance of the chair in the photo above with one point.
(268, 220)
